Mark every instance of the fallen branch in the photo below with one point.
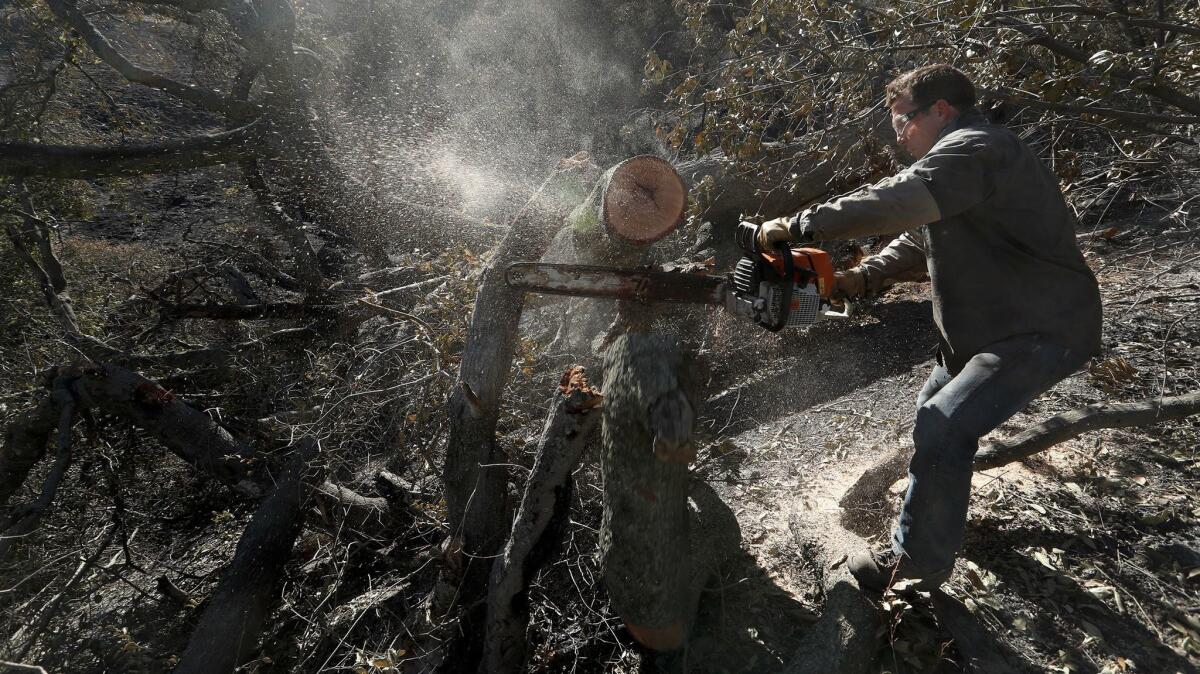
(98, 161)
(572, 417)
(249, 312)
(25, 519)
(68, 12)
(865, 507)
(186, 431)
(24, 444)
(1063, 427)
(229, 629)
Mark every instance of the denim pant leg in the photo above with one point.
(954, 412)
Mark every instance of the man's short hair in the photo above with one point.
(927, 84)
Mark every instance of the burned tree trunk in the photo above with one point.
(656, 559)
(475, 486)
(573, 416)
(230, 627)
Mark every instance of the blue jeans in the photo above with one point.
(953, 412)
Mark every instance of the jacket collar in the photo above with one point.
(969, 117)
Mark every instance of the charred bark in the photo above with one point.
(573, 416)
(186, 431)
(475, 486)
(94, 161)
(230, 627)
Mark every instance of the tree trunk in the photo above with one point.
(475, 486)
(645, 551)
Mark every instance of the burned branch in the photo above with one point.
(229, 629)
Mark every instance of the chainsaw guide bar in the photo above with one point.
(621, 284)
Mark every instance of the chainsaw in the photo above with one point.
(784, 288)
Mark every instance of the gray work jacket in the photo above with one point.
(986, 217)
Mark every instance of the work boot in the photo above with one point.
(877, 570)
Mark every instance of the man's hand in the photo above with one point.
(774, 231)
(849, 284)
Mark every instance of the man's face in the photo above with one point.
(917, 127)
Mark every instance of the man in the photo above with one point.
(1016, 307)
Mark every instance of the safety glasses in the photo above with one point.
(900, 122)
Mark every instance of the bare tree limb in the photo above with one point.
(1112, 113)
(1063, 427)
(308, 270)
(25, 518)
(186, 431)
(36, 629)
(248, 312)
(229, 629)
(1138, 82)
(1174, 27)
(97, 161)
(68, 12)
(24, 444)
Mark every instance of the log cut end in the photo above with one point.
(643, 200)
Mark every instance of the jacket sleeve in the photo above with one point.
(904, 255)
(892, 205)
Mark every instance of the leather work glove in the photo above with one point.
(849, 284)
(774, 231)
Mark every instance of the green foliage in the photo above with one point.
(796, 72)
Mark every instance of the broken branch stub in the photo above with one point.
(642, 200)
(573, 416)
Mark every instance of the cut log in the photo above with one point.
(573, 416)
(647, 444)
(475, 484)
(229, 629)
(642, 200)
(845, 639)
